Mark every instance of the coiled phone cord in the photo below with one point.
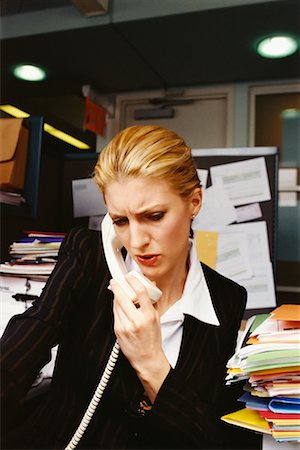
(96, 398)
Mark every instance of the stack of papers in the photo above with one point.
(268, 358)
(35, 254)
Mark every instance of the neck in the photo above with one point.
(172, 287)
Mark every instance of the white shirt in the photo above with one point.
(195, 301)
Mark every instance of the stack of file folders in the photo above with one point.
(267, 358)
(34, 255)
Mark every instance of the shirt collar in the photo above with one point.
(195, 300)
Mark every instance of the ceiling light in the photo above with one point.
(29, 72)
(16, 112)
(13, 111)
(65, 137)
(290, 113)
(277, 46)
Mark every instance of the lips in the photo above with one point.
(147, 260)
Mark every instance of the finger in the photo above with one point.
(140, 290)
(121, 297)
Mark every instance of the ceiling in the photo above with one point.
(125, 50)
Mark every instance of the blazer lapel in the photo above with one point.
(195, 346)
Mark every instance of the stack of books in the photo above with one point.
(267, 358)
(35, 254)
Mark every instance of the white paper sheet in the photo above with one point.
(245, 181)
(232, 258)
(20, 285)
(248, 212)
(9, 307)
(10, 286)
(260, 288)
(203, 175)
(260, 285)
(87, 198)
(256, 236)
(216, 211)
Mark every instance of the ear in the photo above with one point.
(196, 201)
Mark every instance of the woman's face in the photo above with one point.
(152, 222)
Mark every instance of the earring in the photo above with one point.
(191, 229)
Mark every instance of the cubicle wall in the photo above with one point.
(208, 158)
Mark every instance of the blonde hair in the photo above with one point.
(148, 151)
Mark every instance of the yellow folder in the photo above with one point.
(248, 418)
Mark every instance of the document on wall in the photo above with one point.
(87, 198)
(244, 181)
(249, 212)
(260, 287)
(256, 236)
(207, 247)
(232, 259)
(203, 175)
(216, 211)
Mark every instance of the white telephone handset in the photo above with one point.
(118, 270)
(116, 263)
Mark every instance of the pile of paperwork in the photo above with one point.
(35, 254)
(268, 359)
(23, 277)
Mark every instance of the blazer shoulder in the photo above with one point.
(85, 245)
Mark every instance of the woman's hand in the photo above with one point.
(139, 336)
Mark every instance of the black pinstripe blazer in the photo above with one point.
(75, 311)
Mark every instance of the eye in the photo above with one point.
(155, 217)
(120, 221)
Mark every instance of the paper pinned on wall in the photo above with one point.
(203, 175)
(216, 212)
(206, 246)
(87, 198)
(260, 288)
(256, 236)
(232, 259)
(247, 213)
(245, 181)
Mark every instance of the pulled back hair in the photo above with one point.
(148, 151)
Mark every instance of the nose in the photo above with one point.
(139, 237)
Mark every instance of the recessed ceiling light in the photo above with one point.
(277, 46)
(28, 72)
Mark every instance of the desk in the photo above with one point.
(9, 307)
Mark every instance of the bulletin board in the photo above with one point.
(208, 158)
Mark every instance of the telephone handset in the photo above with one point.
(116, 263)
(118, 270)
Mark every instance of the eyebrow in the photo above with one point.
(146, 210)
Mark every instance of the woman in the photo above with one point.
(167, 389)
